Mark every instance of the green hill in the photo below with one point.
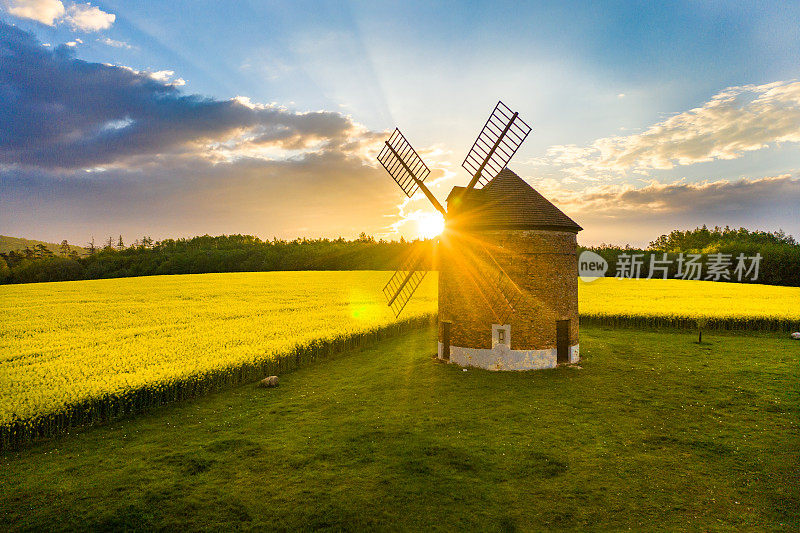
(8, 244)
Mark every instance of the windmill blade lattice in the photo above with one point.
(403, 163)
(496, 144)
(404, 282)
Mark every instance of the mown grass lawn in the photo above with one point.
(653, 432)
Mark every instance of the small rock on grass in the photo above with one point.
(271, 381)
(796, 335)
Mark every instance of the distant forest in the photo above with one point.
(780, 263)
(227, 253)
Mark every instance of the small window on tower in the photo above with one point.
(501, 335)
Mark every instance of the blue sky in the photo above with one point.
(646, 116)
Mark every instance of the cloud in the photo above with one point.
(86, 17)
(115, 44)
(44, 11)
(679, 197)
(331, 193)
(735, 121)
(88, 146)
(732, 123)
(166, 77)
(625, 213)
(62, 112)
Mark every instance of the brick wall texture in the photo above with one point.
(544, 266)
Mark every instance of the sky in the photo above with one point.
(182, 118)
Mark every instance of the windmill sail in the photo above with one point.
(496, 144)
(406, 167)
(404, 282)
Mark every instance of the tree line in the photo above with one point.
(780, 255)
(226, 253)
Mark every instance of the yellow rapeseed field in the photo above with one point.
(64, 343)
(674, 299)
(126, 344)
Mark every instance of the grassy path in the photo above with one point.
(653, 432)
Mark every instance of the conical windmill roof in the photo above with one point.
(508, 202)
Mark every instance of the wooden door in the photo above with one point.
(562, 341)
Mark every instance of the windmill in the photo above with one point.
(497, 142)
(508, 293)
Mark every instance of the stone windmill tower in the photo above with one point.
(508, 269)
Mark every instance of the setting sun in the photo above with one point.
(430, 225)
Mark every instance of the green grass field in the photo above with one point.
(653, 432)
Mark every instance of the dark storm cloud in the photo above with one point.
(61, 112)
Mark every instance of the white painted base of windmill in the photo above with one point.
(501, 357)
